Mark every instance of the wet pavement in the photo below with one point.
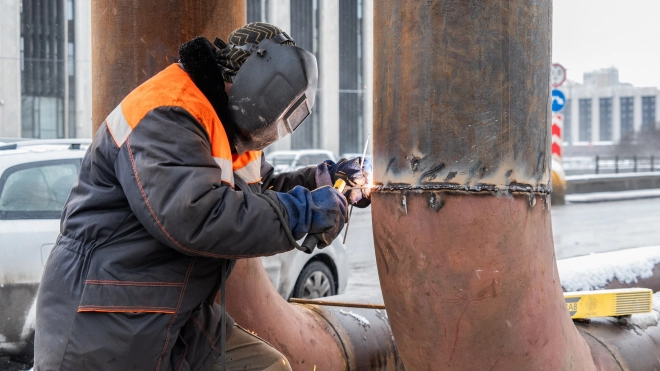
(578, 229)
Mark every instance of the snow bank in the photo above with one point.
(594, 271)
(640, 174)
(613, 196)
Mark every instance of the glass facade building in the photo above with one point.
(47, 69)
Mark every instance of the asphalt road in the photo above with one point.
(578, 229)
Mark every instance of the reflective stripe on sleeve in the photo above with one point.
(117, 125)
(251, 172)
(225, 166)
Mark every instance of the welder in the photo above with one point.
(172, 190)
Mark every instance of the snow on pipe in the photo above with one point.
(638, 267)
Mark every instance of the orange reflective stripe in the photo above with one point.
(248, 166)
(238, 161)
(173, 87)
(118, 309)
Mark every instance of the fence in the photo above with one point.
(625, 164)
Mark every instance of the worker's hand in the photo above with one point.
(358, 179)
(321, 212)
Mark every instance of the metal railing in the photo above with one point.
(626, 164)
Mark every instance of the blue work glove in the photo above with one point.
(354, 176)
(321, 212)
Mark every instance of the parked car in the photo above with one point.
(284, 161)
(35, 181)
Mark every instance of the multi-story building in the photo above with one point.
(603, 111)
(45, 68)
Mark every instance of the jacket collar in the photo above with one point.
(197, 57)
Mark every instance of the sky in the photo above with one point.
(591, 34)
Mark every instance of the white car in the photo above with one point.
(35, 181)
(284, 161)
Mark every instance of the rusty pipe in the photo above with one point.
(631, 347)
(134, 40)
(461, 145)
(309, 335)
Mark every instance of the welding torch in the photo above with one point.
(310, 242)
(348, 222)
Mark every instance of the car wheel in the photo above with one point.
(315, 281)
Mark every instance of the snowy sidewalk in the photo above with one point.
(612, 196)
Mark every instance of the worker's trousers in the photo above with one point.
(246, 351)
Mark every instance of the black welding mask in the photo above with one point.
(272, 93)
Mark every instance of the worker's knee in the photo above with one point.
(280, 365)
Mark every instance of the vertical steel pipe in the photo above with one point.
(134, 40)
(461, 209)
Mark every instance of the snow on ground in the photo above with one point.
(613, 196)
(609, 176)
(594, 271)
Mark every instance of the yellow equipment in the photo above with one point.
(608, 303)
(340, 184)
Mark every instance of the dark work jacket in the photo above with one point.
(159, 207)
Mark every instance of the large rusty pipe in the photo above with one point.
(134, 40)
(461, 212)
(322, 336)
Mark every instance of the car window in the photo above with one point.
(36, 191)
(281, 160)
(307, 160)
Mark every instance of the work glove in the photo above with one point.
(354, 176)
(321, 212)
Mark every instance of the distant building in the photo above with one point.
(340, 34)
(45, 69)
(602, 110)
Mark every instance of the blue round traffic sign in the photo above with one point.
(558, 100)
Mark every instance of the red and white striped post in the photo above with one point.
(558, 175)
(557, 136)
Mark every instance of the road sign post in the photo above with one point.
(557, 75)
(558, 100)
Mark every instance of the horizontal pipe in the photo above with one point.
(325, 336)
(631, 347)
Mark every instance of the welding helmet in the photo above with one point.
(272, 93)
